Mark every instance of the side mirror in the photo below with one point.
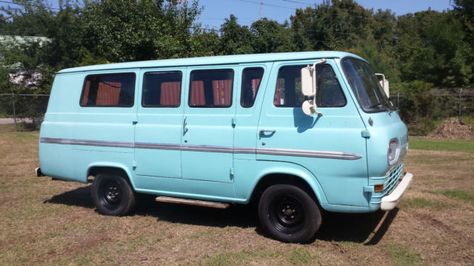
(383, 83)
(308, 87)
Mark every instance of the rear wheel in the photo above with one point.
(287, 213)
(112, 195)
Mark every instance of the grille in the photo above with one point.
(392, 179)
(393, 176)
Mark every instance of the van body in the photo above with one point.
(226, 129)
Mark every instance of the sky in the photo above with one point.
(215, 11)
(247, 11)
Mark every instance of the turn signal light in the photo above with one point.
(378, 188)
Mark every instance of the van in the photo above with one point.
(294, 133)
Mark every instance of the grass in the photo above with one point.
(50, 222)
(458, 194)
(416, 202)
(294, 256)
(301, 256)
(402, 255)
(423, 143)
(238, 258)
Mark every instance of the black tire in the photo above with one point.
(287, 213)
(112, 195)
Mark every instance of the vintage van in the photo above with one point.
(295, 133)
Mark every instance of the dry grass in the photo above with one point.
(52, 222)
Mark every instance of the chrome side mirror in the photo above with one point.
(308, 87)
(383, 83)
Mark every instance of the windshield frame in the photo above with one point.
(366, 87)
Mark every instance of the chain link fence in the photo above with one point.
(27, 109)
(420, 111)
(424, 111)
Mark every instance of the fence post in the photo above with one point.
(460, 103)
(398, 99)
(14, 108)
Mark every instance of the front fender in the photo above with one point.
(281, 168)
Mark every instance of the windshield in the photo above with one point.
(365, 85)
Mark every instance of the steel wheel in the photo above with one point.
(288, 213)
(112, 195)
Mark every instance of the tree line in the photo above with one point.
(417, 52)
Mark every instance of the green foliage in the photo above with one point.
(435, 53)
(234, 39)
(417, 52)
(269, 36)
(128, 30)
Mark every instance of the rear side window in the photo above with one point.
(162, 89)
(108, 90)
(251, 79)
(211, 88)
(288, 88)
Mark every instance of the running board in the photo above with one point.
(210, 204)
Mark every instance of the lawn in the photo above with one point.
(52, 222)
(423, 143)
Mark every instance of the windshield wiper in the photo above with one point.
(379, 106)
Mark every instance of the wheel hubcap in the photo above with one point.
(111, 193)
(287, 214)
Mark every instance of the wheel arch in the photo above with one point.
(104, 167)
(297, 177)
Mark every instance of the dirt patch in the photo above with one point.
(453, 128)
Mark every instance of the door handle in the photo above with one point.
(185, 126)
(267, 133)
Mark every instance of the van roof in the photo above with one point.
(214, 60)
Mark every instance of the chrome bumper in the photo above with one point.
(390, 201)
(38, 172)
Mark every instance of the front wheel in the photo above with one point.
(112, 195)
(287, 213)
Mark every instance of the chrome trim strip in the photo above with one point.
(207, 148)
(88, 142)
(306, 153)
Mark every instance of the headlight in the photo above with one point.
(393, 152)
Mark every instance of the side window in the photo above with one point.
(329, 92)
(211, 88)
(108, 90)
(288, 89)
(251, 78)
(161, 89)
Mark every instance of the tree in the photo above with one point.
(464, 11)
(235, 39)
(431, 47)
(33, 19)
(337, 25)
(139, 30)
(270, 36)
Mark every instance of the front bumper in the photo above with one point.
(391, 200)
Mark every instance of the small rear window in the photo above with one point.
(108, 90)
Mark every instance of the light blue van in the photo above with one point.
(295, 133)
